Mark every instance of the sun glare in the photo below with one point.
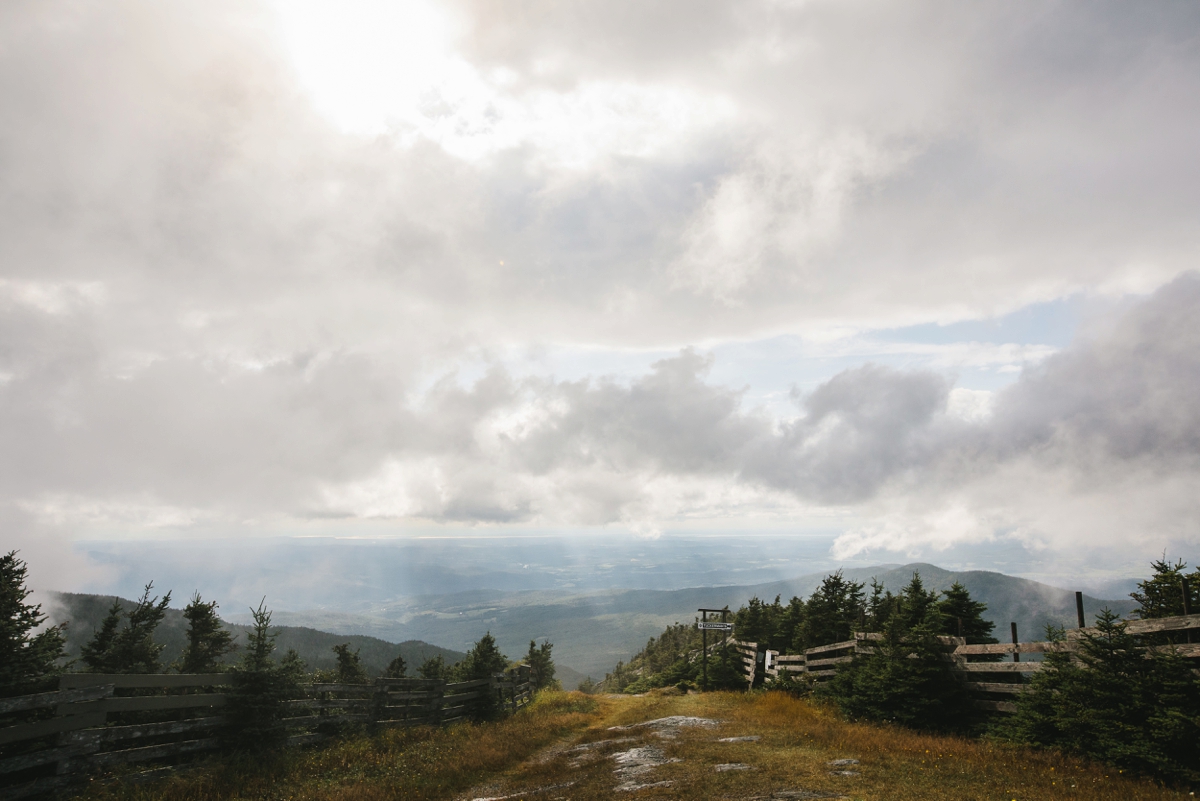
(376, 67)
(368, 64)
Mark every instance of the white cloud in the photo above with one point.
(216, 304)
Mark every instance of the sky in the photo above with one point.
(919, 277)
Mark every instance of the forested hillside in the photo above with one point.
(84, 613)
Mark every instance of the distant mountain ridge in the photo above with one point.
(83, 612)
(592, 630)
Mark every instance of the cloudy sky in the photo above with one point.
(919, 274)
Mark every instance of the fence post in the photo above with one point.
(1079, 610)
(1016, 655)
(1187, 601)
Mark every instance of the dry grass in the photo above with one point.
(399, 764)
(798, 740)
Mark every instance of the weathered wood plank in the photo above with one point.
(116, 734)
(467, 685)
(413, 696)
(818, 663)
(335, 703)
(1156, 625)
(998, 667)
(837, 646)
(43, 757)
(42, 728)
(160, 681)
(24, 703)
(152, 752)
(1009, 648)
(791, 658)
(148, 703)
(995, 687)
(341, 688)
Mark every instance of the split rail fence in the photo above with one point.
(993, 683)
(95, 722)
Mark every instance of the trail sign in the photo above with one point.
(707, 626)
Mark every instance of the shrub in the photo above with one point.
(906, 680)
(1117, 703)
(255, 709)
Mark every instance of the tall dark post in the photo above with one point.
(959, 626)
(1016, 656)
(1187, 601)
(1079, 610)
(704, 651)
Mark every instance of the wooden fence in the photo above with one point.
(993, 683)
(94, 722)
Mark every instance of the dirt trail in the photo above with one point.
(643, 747)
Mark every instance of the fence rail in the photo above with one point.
(85, 726)
(986, 679)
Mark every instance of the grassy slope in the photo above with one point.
(515, 757)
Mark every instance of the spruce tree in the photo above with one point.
(906, 680)
(27, 660)
(349, 668)
(1116, 703)
(958, 606)
(434, 669)
(207, 639)
(396, 668)
(135, 648)
(261, 687)
(832, 612)
(98, 652)
(1162, 594)
(541, 665)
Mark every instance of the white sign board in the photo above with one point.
(715, 626)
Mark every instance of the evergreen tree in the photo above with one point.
(27, 660)
(207, 638)
(1162, 594)
(483, 661)
(434, 668)
(906, 680)
(129, 648)
(832, 612)
(98, 653)
(349, 668)
(396, 668)
(1117, 703)
(958, 607)
(541, 666)
(261, 687)
(753, 622)
(918, 606)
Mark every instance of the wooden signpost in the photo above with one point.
(705, 625)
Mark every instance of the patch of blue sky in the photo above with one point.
(981, 355)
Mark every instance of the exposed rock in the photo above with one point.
(629, 787)
(843, 773)
(732, 766)
(842, 763)
(748, 738)
(673, 722)
(600, 744)
(524, 793)
(637, 762)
